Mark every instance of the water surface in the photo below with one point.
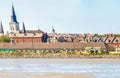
(100, 68)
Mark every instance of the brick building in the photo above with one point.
(23, 35)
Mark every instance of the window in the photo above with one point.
(13, 29)
(101, 40)
(95, 40)
(109, 41)
(116, 41)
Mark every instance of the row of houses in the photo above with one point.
(85, 38)
(38, 36)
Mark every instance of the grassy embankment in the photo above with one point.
(60, 54)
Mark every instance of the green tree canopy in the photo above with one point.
(4, 39)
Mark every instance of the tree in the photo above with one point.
(4, 39)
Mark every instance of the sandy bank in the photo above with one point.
(33, 75)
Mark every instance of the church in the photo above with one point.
(21, 36)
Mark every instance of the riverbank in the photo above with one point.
(48, 54)
(34, 75)
(9, 55)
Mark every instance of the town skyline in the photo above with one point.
(66, 16)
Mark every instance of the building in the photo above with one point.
(22, 36)
(14, 24)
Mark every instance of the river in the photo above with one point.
(99, 68)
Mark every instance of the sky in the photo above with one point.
(66, 16)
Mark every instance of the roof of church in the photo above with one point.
(29, 31)
(27, 35)
(32, 31)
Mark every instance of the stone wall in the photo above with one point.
(51, 46)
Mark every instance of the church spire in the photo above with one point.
(24, 30)
(1, 28)
(14, 24)
(53, 30)
(13, 15)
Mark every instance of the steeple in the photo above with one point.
(13, 15)
(53, 30)
(1, 28)
(24, 30)
(14, 24)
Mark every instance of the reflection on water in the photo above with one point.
(42, 66)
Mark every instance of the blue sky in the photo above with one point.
(66, 16)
